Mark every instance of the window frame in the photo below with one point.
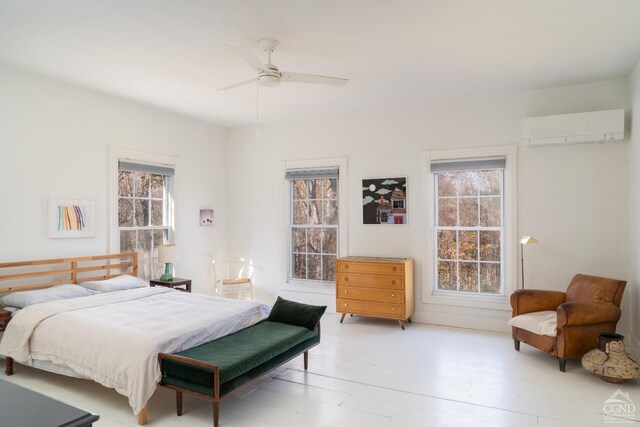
(290, 283)
(430, 293)
(117, 154)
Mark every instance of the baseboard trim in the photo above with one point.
(490, 321)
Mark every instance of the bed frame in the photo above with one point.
(26, 275)
(30, 274)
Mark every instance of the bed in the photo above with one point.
(85, 336)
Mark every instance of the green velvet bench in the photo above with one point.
(217, 368)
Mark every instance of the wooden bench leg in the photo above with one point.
(216, 410)
(306, 360)
(142, 416)
(179, 402)
(8, 366)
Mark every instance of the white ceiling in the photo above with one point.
(174, 53)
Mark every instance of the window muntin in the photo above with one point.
(144, 220)
(469, 231)
(313, 225)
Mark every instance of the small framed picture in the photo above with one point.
(71, 218)
(206, 217)
(384, 201)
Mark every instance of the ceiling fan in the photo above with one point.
(270, 75)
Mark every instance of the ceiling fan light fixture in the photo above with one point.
(268, 81)
(270, 76)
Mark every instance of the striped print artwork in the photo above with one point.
(71, 218)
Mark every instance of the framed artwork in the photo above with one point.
(206, 217)
(384, 201)
(71, 218)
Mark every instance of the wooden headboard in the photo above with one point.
(24, 275)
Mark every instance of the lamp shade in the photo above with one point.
(527, 240)
(167, 253)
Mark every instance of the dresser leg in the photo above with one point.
(409, 319)
(8, 366)
(401, 324)
(342, 318)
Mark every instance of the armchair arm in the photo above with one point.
(587, 313)
(530, 300)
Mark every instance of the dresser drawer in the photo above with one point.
(370, 267)
(369, 294)
(371, 281)
(370, 308)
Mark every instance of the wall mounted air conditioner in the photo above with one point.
(594, 126)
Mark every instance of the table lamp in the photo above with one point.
(525, 240)
(167, 254)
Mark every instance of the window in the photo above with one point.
(313, 225)
(469, 227)
(471, 244)
(144, 214)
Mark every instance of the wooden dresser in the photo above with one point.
(378, 287)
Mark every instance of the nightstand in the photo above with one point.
(5, 317)
(176, 283)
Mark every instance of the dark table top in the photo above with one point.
(21, 407)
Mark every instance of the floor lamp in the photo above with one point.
(525, 240)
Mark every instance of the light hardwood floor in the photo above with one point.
(369, 373)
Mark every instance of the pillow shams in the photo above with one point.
(22, 299)
(119, 283)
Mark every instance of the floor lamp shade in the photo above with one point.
(167, 254)
(524, 240)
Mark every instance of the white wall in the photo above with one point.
(572, 199)
(54, 141)
(633, 286)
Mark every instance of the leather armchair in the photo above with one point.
(590, 306)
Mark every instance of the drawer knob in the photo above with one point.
(346, 291)
(393, 309)
(346, 279)
(395, 268)
(345, 304)
(346, 267)
(393, 295)
(393, 282)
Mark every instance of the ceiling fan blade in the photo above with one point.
(312, 78)
(246, 82)
(249, 57)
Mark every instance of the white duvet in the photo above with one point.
(114, 338)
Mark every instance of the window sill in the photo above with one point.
(497, 302)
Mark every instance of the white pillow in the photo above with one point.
(539, 322)
(22, 299)
(118, 283)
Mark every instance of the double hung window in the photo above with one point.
(468, 226)
(144, 212)
(313, 224)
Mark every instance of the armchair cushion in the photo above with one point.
(539, 322)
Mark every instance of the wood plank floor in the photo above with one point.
(369, 373)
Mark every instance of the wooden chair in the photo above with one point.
(232, 275)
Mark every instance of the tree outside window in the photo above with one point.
(314, 228)
(143, 215)
(469, 231)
